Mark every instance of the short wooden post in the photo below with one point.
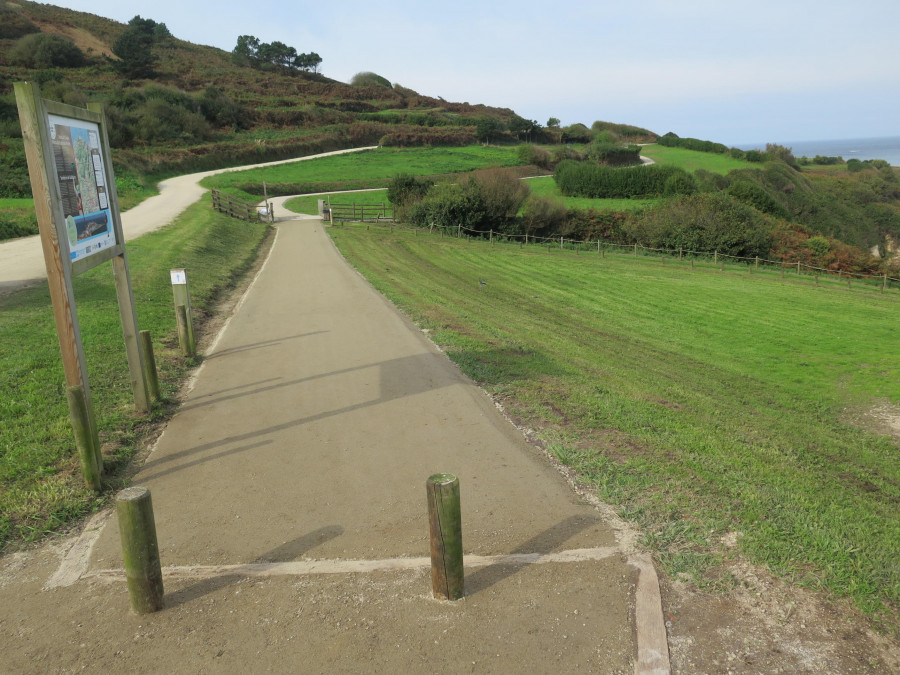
(715, 256)
(140, 549)
(150, 373)
(184, 340)
(182, 296)
(848, 283)
(817, 279)
(635, 250)
(757, 262)
(445, 526)
(798, 268)
(884, 282)
(602, 253)
(86, 441)
(492, 237)
(458, 230)
(680, 253)
(561, 243)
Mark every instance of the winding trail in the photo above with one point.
(289, 499)
(22, 261)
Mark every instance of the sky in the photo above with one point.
(733, 72)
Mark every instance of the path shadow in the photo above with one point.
(548, 541)
(258, 345)
(396, 379)
(287, 552)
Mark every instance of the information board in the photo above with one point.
(81, 175)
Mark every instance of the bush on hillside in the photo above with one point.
(46, 50)
(704, 222)
(612, 154)
(532, 154)
(13, 24)
(582, 179)
(368, 79)
(502, 193)
(543, 216)
(405, 188)
(755, 195)
(448, 205)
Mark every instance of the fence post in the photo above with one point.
(445, 527)
(757, 262)
(798, 268)
(635, 250)
(140, 549)
(716, 256)
(680, 253)
(561, 243)
(492, 237)
(884, 282)
(458, 230)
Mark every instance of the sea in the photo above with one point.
(885, 147)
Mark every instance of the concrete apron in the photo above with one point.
(291, 485)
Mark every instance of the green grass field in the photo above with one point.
(40, 485)
(702, 403)
(692, 160)
(369, 168)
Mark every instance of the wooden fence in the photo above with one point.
(364, 213)
(238, 208)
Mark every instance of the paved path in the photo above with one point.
(289, 493)
(22, 261)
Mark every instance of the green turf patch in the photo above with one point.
(40, 486)
(704, 403)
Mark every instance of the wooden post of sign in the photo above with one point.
(445, 527)
(85, 441)
(140, 549)
(182, 296)
(122, 277)
(150, 365)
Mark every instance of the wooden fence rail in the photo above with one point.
(238, 208)
(361, 212)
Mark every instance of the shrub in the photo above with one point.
(502, 193)
(543, 215)
(611, 154)
(220, 110)
(581, 179)
(532, 154)
(681, 183)
(13, 24)
(756, 196)
(46, 50)
(449, 205)
(819, 246)
(406, 188)
(367, 79)
(704, 222)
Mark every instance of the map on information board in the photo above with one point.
(81, 176)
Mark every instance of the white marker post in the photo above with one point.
(182, 296)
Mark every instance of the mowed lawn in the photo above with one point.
(709, 406)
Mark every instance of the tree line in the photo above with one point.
(249, 51)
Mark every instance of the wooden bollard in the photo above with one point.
(184, 336)
(140, 550)
(150, 373)
(445, 526)
(182, 296)
(85, 441)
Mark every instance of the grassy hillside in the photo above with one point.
(200, 110)
(709, 406)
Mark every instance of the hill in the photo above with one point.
(193, 107)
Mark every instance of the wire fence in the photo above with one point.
(601, 247)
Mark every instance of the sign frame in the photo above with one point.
(34, 115)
